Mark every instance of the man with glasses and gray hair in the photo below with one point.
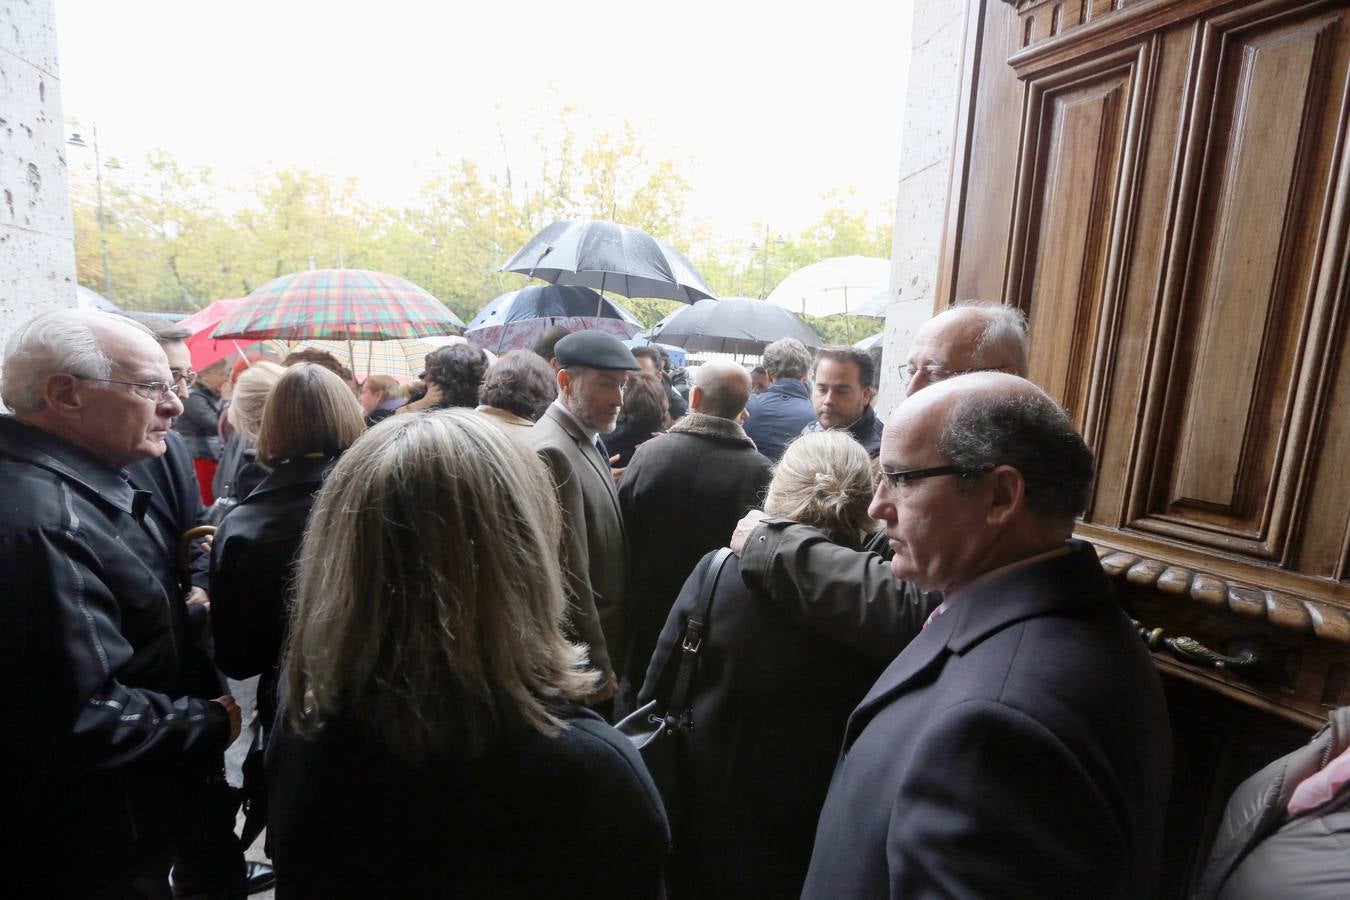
(851, 594)
(108, 700)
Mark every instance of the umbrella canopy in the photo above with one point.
(876, 307)
(732, 325)
(870, 341)
(840, 284)
(403, 359)
(339, 304)
(89, 299)
(515, 319)
(204, 348)
(609, 257)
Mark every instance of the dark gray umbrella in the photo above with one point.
(732, 325)
(607, 256)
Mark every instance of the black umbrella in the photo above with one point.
(607, 256)
(732, 325)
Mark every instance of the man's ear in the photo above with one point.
(62, 394)
(696, 398)
(869, 394)
(564, 379)
(1008, 497)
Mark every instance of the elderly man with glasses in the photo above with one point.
(848, 594)
(113, 711)
(1019, 745)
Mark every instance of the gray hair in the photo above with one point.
(787, 358)
(1004, 336)
(165, 331)
(65, 341)
(725, 389)
(825, 480)
(1030, 432)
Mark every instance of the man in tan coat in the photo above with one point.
(592, 369)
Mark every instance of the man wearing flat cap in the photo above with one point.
(592, 368)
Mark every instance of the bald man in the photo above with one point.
(110, 701)
(1019, 745)
(681, 496)
(847, 594)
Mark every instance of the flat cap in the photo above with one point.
(594, 350)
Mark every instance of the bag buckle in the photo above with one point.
(694, 646)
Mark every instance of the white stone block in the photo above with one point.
(28, 31)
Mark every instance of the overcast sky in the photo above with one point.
(765, 106)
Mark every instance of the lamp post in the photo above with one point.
(76, 141)
(764, 261)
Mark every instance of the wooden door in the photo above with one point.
(1164, 187)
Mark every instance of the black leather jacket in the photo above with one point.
(105, 702)
(200, 422)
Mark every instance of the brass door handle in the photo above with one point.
(1250, 659)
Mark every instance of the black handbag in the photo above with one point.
(658, 733)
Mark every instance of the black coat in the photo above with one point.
(569, 816)
(770, 700)
(252, 566)
(1018, 747)
(105, 700)
(175, 502)
(866, 431)
(200, 422)
(681, 495)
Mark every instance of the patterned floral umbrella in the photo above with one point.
(339, 304)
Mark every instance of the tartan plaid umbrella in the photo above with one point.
(401, 358)
(338, 304)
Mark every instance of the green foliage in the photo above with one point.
(175, 243)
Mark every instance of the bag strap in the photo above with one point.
(693, 639)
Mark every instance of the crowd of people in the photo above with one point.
(911, 680)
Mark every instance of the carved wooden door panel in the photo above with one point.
(1164, 187)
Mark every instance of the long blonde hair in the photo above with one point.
(429, 606)
(825, 479)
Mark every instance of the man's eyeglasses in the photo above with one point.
(187, 376)
(905, 476)
(157, 391)
(934, 372)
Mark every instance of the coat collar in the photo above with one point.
(30, 444)
(585, 447)
(307, 470)
(1057, 584)
(712, 426)
(792, 387)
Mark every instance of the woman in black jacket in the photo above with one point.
(770, 697)
(431, 743)
(310, 417)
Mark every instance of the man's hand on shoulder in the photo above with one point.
(744, 527)
(232, 709)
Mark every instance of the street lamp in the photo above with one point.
(76, 141)
(764, 261)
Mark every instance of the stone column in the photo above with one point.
(925, 169)
(37, 245)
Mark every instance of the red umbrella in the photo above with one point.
(205, 349)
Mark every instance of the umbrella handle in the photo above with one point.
(240, 351)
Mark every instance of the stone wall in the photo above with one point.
(37, 247)
(925, 168)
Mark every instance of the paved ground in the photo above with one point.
(244, 692)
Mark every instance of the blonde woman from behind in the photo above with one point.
(430, 743)
(770, 698)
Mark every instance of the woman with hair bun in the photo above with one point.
(432, 741)
(770, 698)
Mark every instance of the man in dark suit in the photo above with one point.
(592, 369)
(1019, 745)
